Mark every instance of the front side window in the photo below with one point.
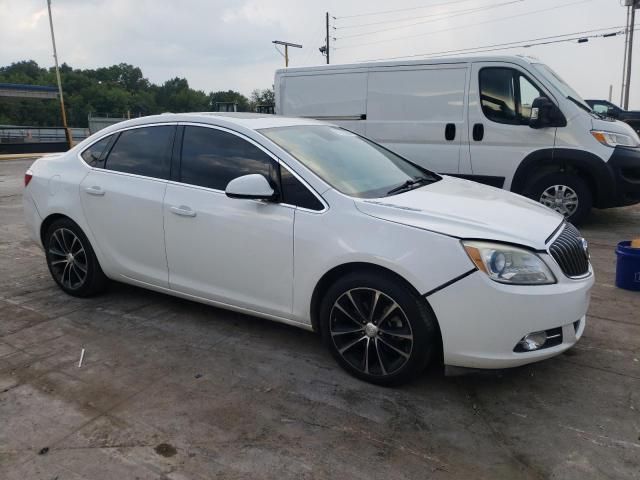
(349, 163)
(143, 151)
(294, 192)
(506, 95)
(96, 153)
(212, 158)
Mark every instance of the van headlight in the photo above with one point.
(507, 264)
(611, 139)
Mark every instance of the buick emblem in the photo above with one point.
(585, 247)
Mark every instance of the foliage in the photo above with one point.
(117, 90)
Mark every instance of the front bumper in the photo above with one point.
(624, 167)
(481, 321)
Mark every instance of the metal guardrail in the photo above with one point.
(11, 134)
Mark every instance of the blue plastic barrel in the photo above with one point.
(628, 267)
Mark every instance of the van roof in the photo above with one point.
(429, 61)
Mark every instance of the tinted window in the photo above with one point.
(295, 193)
(498, 94)
(143, 151)
(212, 158)
(96, 153)
(506, 95)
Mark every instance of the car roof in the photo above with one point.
(251, 121)
(518, 59)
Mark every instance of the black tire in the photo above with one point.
(412, 316)
(546, 185)
(71, 260)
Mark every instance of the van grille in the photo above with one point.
(569, 250)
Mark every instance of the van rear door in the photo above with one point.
(419, 112)
(500, 97)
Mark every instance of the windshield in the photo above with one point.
(349, 163)
(566, 90)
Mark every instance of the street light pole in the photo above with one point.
(286, 49)
(67, 132)
(630, 29)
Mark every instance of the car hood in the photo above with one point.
(611, 125)
(465, 209)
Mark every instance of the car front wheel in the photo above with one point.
(377, 328)
(567, 194)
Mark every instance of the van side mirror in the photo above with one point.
(545, 113)
(251, 187)
(612, 112)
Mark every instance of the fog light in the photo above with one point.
(533, 341)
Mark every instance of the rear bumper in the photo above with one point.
(31, 217)
(624, 167)
(482, 321)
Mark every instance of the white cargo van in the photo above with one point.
(509, 122)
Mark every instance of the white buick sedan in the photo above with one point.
(308, 224)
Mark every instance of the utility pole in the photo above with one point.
(67, 132)
(630, 27)
(327, 43)
(286, 49)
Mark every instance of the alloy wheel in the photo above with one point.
(371, 331)
(68, 258)
(561, 198)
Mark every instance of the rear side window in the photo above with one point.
(96, 153)
(294, 192)
(212, 158)
(143, 151)
(506, 95)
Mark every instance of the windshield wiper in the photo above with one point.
(409, 184)
(580, 104)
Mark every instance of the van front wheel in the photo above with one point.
(567, 194)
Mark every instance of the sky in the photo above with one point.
(226, 44)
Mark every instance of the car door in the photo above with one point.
(122, 198)
(231, 251)
(500, 98)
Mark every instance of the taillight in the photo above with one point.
(27, 177)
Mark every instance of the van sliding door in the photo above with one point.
(419, 112)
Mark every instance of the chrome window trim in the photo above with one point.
(124, 129)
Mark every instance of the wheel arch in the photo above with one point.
(46, 223)
(593, 169)
(339, 270)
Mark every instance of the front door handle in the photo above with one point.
(95, 190)
(478, 132)
(183, 211)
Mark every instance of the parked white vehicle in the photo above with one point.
(472, 118)
(309, 224)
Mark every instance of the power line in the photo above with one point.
(406, 19)
(508, 17)
(384, 12)
(510, 45)
(467, 12)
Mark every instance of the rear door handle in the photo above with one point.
(183, 211)
(450, 131)
(95, 190)
(478, 132)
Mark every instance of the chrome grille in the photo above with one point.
(569, 250)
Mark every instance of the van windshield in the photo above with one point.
(349, 163)
(566, 90)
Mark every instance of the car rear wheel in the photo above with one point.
(71, 260)
(567, 194)
(378, 329)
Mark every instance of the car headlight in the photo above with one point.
(507, 264)
(611, 139)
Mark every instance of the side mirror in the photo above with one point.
(545, 113)
(252, 187)
(612, 112)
